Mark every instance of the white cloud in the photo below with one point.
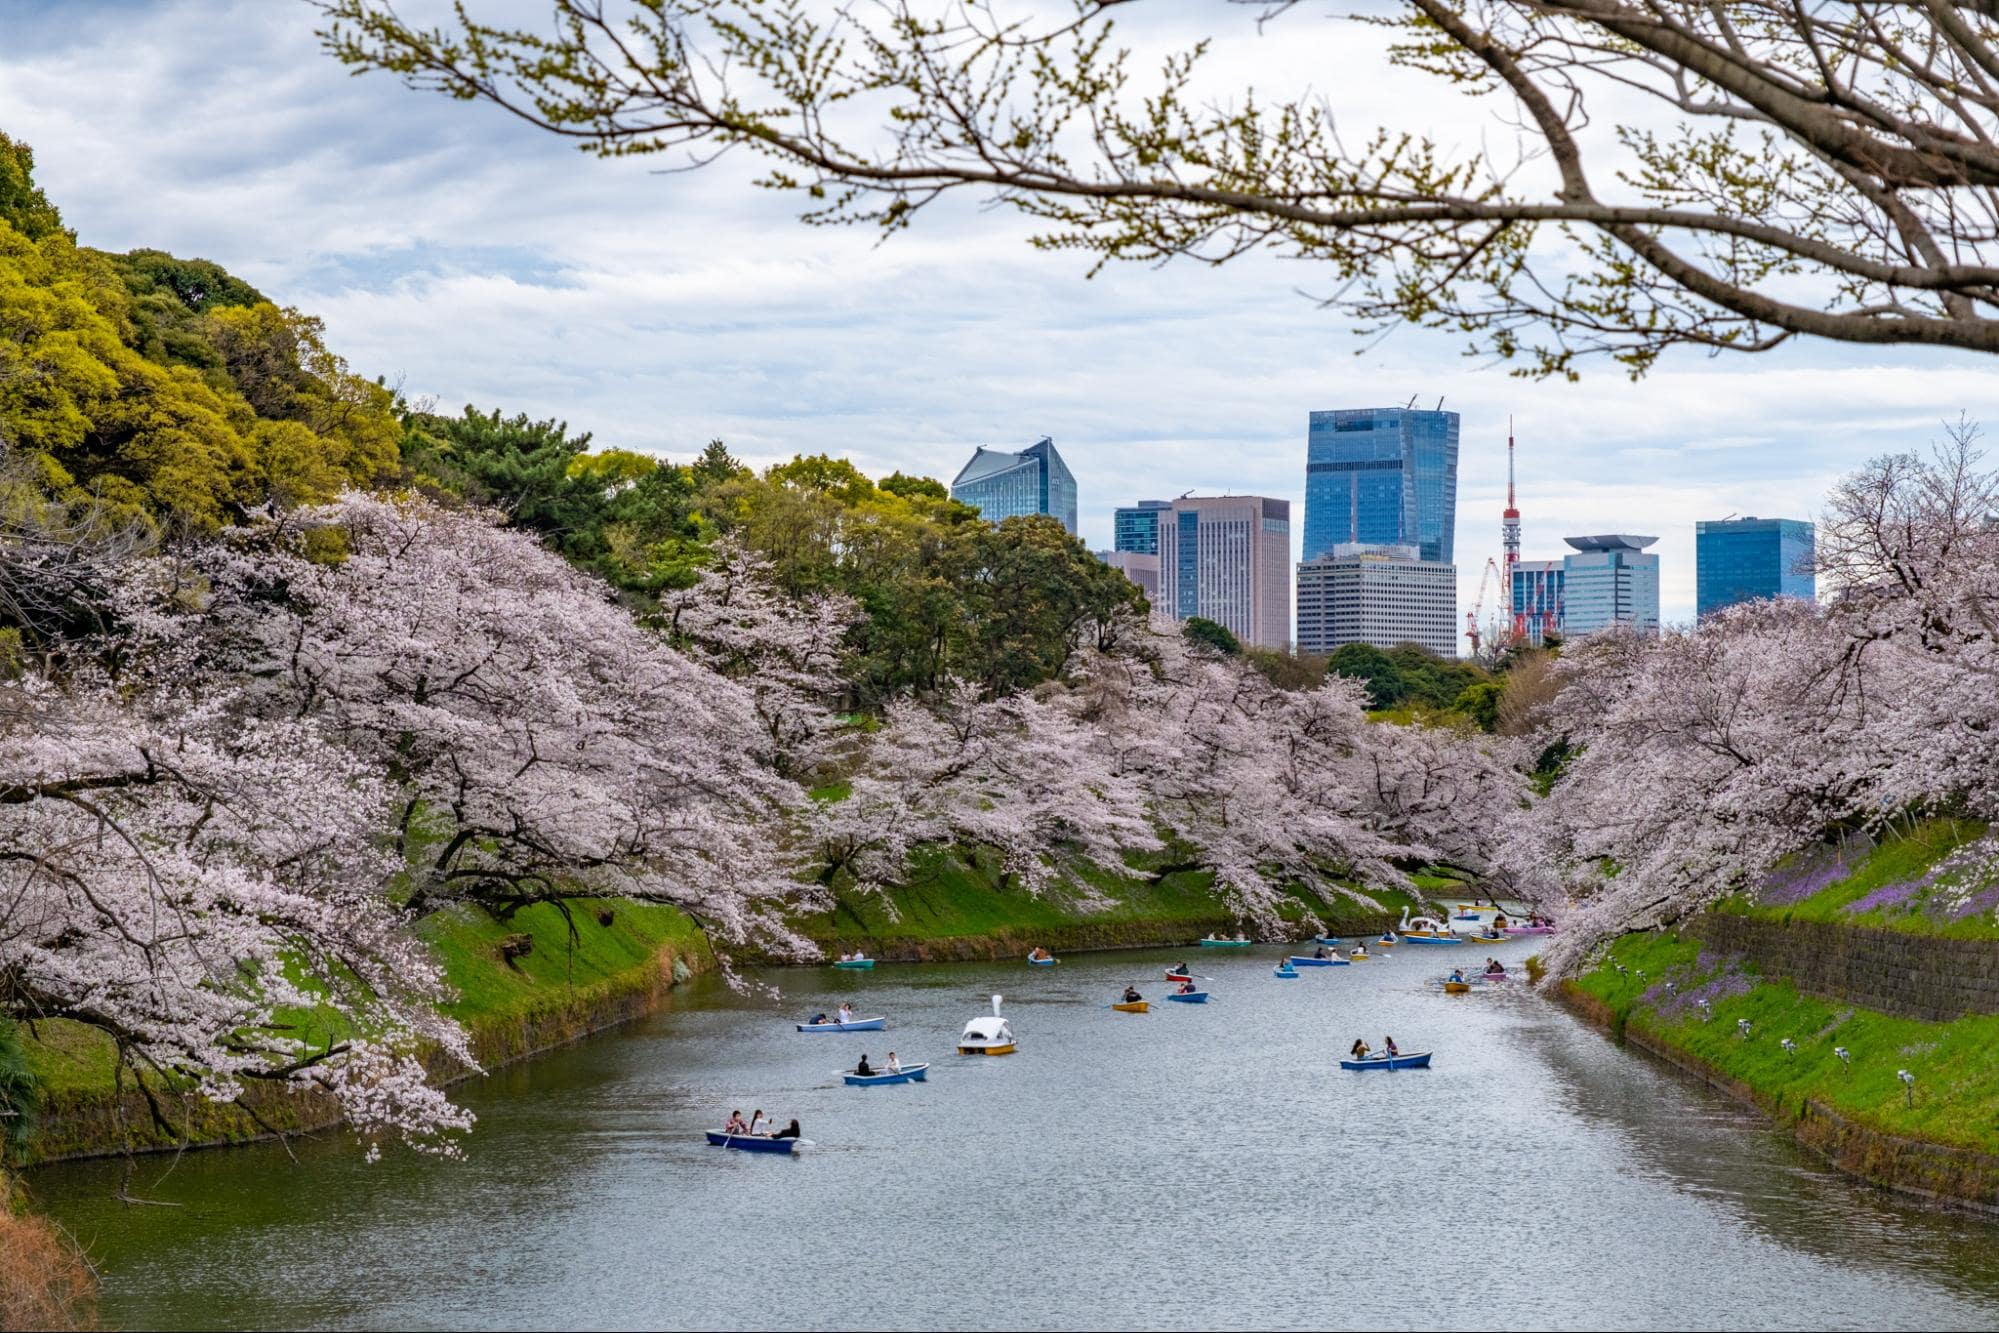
(452, 247)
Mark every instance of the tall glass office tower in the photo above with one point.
(1382, 476)
(1136, 527)
(1748, 559)
(1004, 485)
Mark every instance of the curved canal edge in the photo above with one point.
(1939, 1173)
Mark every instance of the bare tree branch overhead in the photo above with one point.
(1757, 170)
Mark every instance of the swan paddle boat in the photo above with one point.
(751, 1142)
(1132, 1006)
(851, 1025)
(1426, 930)
(1299, 960)
(1410, 1060)
(907, 1074)
(1212, 943)
(1049, 961)
(1284, 971)
(1188, 997)
(987, 1036)
(860, 964)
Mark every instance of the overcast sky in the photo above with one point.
(465, 255)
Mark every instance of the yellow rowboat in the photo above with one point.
(985, 1050)
(1135, 1007)
(1456, 987)
(1359, 957)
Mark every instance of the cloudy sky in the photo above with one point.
(463, 254)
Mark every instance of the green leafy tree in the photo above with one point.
(1210, 634)
(23, 206)
(908, 487)
(1367, 663)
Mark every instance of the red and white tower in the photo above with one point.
(1509, 541)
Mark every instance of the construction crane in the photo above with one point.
(1476, 616)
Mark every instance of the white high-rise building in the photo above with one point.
(1228, 559)
(1610, 580)
(1381, 595)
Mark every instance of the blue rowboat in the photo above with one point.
(1191, 997)
(1413, 1060)
(858, 1025)
(1434, 939)
(866, 964)
(1043, 962)
(909, 1074)
(751, 1143)
(1296, 961)
(1330, 941)
(1226, 944)
(1288, 973)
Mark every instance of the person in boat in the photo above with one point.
(735, 1125)
(1458, 975)
(1388, 1044)
(1359, 1049)
(1241, 938)
(1499, 922)
(817, 1020)
(846, 1012)
(1180, 969)
(1187, 986)
(1493, 965)
(1131, 995)
(790, 1131)
(892, 1065)
(1360, 951)
(863, 1068)
(1319, 952)
(760, 1124)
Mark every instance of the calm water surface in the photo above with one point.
(1201, 1167)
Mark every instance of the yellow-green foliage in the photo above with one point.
(1956, 1093)
(236, 405)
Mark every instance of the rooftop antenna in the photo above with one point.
(1440, 404)
(1410, 406)
(1509, 535)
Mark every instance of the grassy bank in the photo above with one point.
(552, 989)
(958, 905)
(1901, 881)
(1649, 989)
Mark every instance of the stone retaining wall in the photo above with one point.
(1910, 976)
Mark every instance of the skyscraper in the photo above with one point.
(1610, 580)
(1383, 595)
(1004, 485)
(1136, 527)
(1382, 476)
(1746, 559)
(1228, 559)
(1537, 599)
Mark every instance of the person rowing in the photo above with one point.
(1359, 1050)
(1187, 986)
(1039, 955)
(1388, 1045)
(863, 1068)
(1458, 975)
(816, 1021)
(735, 1124)
(1320, 952)
(1131, 995)
(846, 1013)
(1360, 951)
(894, 1066)
(1494, 967)
(1180, 969)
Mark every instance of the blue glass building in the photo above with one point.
(1137, 528)
(1748, 559)
(1004, 485)
(1382, 476)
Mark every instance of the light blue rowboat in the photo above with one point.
(751, 1143)
(1413, 1060)
(1225, 944)
(857, 1025)
(865, 964)
(1433, 939)
(1286, 973)
(1297, 960)
(908, 1074)
(1044, 962)
(1191, 997)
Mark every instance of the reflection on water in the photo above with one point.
(1199, 1165)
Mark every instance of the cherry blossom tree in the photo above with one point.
(540, 745)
